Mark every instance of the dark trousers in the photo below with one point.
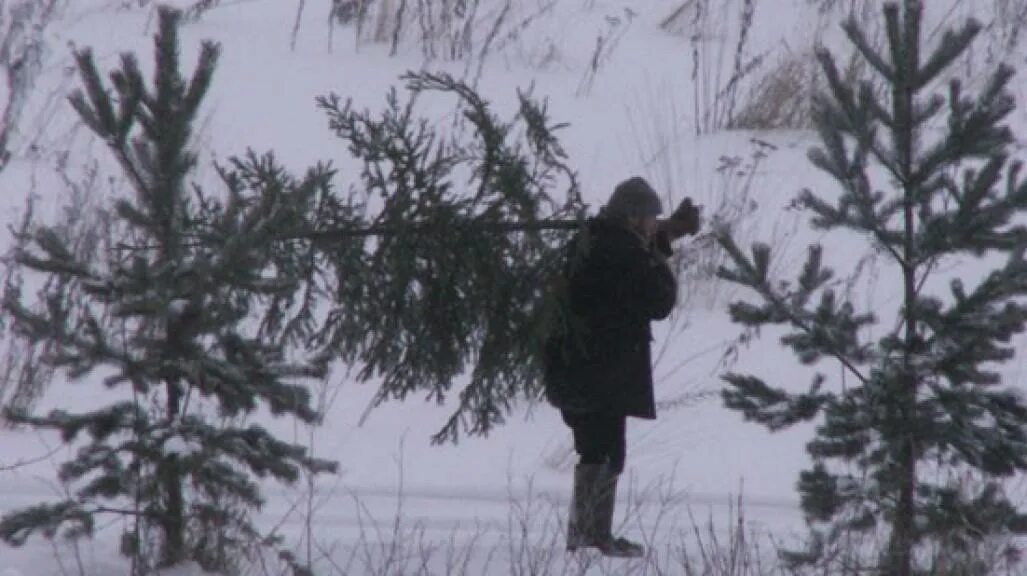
(599, 438)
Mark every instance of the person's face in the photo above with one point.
(649, 226)
(645, 225)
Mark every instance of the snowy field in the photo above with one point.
(475, 507)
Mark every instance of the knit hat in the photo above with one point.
(634, 197)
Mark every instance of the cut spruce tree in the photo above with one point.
(925, 179)
(164, 314)
(436, 270)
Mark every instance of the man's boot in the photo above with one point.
(605, 501)
(581, 519)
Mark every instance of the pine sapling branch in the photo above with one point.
(855, 34)
(951, 46)
(749, 274)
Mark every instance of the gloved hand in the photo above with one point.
(686, 219)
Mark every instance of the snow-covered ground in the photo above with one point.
(636, 114)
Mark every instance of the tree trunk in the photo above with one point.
(903, 537)
(907, 65)
(172, 520)
(422, 228)
(379, 230)
(899, 561)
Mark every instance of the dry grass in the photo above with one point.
(22, 31)
(781, 96)
(531, 542)
(720, 60)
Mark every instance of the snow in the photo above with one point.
(178, 446)
(178, 306)
(635, 115)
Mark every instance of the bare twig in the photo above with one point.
(21, 53)
(296, 24)
(30, 461)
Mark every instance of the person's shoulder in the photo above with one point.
(600, 227)
(613, 239)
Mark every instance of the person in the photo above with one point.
(597, 358)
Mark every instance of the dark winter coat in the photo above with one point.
(598, 354)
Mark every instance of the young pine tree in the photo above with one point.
(166, 315)
(923, 404)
